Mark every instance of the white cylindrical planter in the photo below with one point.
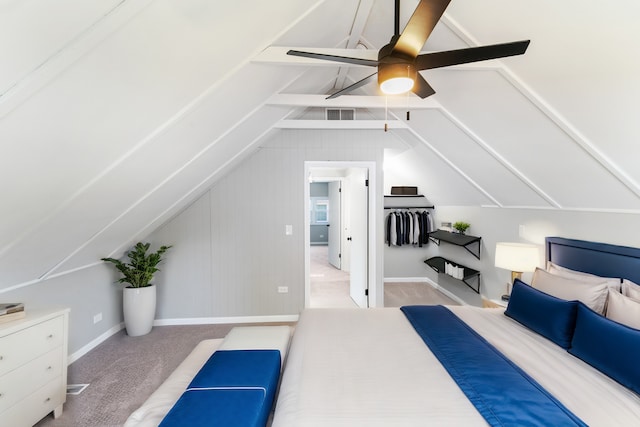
(139, 306)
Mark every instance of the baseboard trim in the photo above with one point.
(96, 342)
(186, 321)
(406, 279)
(427, 281)
(225, 320)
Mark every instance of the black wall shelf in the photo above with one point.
(413, 202)
(470, 243)
(470, 276)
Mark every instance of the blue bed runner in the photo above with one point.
(502, 392)
(233, 388)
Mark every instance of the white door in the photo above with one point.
(358, 236)
(334, 224)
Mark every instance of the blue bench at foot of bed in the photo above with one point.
(233, 388)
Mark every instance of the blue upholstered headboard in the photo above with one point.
(601, 259)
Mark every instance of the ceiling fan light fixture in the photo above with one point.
(395, 79)
(396, 85)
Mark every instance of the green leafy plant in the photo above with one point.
(461, 226)
(141, 267)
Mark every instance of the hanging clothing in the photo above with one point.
(406, 227)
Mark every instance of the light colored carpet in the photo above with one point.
(123, 371)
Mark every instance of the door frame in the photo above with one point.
(372, 264)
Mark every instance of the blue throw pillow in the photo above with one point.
(551, 317)
(608, 346)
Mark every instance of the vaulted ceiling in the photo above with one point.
(116, 114)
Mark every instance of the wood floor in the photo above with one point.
(330, 287)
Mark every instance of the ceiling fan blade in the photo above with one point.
(335, 58)
(422, 88)
(428, 61)
(419, 27)
(356, 85)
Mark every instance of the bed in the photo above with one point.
(352, 367)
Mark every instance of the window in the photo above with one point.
(319, 210)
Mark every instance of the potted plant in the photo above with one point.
(139, 298)
(461, 226)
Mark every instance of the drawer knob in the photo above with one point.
(1, 357)
(49, 368)
(47, 399)
(50, 336)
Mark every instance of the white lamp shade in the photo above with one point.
(396, 85)
(396, 78)
(518, 257)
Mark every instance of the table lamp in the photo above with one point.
(517, 257)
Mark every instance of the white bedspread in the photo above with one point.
(350, 367)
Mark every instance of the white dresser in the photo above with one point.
(33, 366)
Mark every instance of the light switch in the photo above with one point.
(288, 229)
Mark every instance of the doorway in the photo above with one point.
(329, 281)
(338, 273)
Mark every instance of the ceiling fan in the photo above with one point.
(399, 61)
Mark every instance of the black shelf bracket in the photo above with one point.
(471, 243)
(470, 276)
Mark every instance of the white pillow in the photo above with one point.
(613, 282)
(623, 310)
(630, 289)
(594, 295)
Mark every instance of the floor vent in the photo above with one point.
(76, 389)
(340, 113)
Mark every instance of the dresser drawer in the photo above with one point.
(19, 383)
(20, 347)
(31, 409)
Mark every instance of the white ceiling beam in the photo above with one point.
(499, 158)
(353, 101)
(359, 22)
(340, 124)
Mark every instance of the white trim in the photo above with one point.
(72, 50)
(569, 209)
(452, 165)
(226, 320)
(390, 280)
(184, 321)
(96, 342)
(352, 101)
(498, 157)
(551, 113)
